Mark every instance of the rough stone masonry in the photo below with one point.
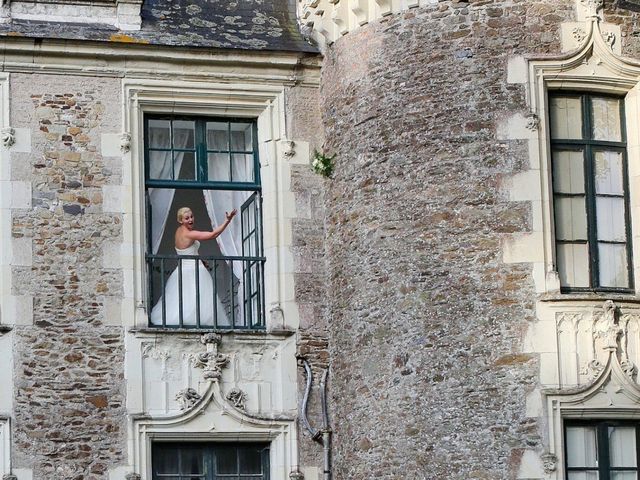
(69, 395)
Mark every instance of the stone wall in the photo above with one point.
(69, 382)
(427, 321)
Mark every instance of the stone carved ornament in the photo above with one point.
(549, 462)
(533, 122)
(125, 142)
(8, 137)
(187, 398)
(211, 362)
(237, 398)
(609, 38)
(592, 7)
(579, 34)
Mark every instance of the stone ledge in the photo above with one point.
(589, 297)
(146, 331)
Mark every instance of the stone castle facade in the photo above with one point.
(425, 287)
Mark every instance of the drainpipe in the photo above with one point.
(322, 436)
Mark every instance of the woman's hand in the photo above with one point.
(230, 215)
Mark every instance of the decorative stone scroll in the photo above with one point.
(8, 137)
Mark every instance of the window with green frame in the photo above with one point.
(601, 450)
(210, 461)
(211, 166)
(590, 192)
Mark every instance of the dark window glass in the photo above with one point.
(210, 461)
(590, 192)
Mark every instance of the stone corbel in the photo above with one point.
(8, 137)
(296, 475)
(549, 462)
(132, 476)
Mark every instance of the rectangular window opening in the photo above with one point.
(210, 166)
(590, 192)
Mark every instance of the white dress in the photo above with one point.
(189, 293)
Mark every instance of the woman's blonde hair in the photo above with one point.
(181, 213)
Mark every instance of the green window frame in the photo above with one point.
(593, 249)
(210, 461)
(601, 449)
(180, 158)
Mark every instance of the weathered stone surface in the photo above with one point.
(69, 380)
(426, 320)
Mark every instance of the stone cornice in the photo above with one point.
(24, 55)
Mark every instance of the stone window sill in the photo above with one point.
(147, 331)
(589, 297)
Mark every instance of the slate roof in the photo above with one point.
(227, 24)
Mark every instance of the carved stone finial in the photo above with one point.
(187, 398)
(592, 7)
(608, 328)
(8, 137)
(125, 142)
(237, 398)
(210, 361)
(549, 462)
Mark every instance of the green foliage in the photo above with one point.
(322, 164)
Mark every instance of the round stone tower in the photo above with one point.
(429, 371)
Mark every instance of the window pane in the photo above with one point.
(242, 167)
(566, 117)
(185, 165)
(250, 460)
(606, 119)
(610, 219)
(581, 447)
(583, 475)
(622, 447)
(571, 218)
(219, 168)
(568, 171)
(226, 461)
(241, 137)
(184, 134)
(166, 461)
(624, 476)
(159, 134)
(218, 136)
(608, 172)
(573, 264)
(160, 165)
(192, 461)
(613, 265)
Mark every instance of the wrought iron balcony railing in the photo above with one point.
(193, 291)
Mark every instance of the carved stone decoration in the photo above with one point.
(533, 122)
(607, 327)
(296, 475)
(549, 462)
(8, 137)
(592, 7)
(187, 398)
(578, 34)
(125, 142)
(149, 350)
(289, 148)
(629, 368)
(609, 38)
(592, 369)
(237, 398)
(210, 361)
(132, 476)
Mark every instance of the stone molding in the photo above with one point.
(5, 447)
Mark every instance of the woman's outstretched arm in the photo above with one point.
(198, 235)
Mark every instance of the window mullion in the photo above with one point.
(603, 450)
(590, 197)
(201, 151)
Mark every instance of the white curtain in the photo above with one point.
(160, 168)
